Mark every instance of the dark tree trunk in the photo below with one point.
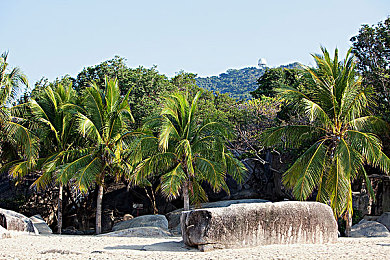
(152, 199)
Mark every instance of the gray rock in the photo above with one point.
(174, 216)
(244, 225)
(139, 232)
(384, 219)
(159, 221)
(4, 233)
(107, 220)
(41, 225)
(16, 222)
(369, 229)
(361, 202)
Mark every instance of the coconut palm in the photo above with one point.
(104, 118)
(341, 134)
(49, 120)
(11, 80)
(186, 153)
(14, 134)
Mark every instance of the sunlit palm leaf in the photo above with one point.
(172, 181)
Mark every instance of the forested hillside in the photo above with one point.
(237, 82)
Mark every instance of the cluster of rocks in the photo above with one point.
(12, 222)
(371, 228)
(161, 226)
(143, 226)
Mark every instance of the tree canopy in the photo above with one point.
(372, 49)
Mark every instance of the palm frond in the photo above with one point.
(305, 174)
(93, 104)
(235, 168)
(338, 188)
(211, 173)
(25, 140)
(370, 124)
(70, 170)
(87, 128)
(370, 147)
(197, 193)
(291, 136)
(112, 93)
(172, 182)
(87, 175)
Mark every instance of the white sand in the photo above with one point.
(91, 247)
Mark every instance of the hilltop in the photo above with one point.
(237, 82)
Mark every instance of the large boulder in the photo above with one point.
(384, 219)
(139, 232)
(174, 216)
(159, 221)
(12, 220)
(369, 229)
(40, 224)
(244, 225)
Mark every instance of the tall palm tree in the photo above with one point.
(186, 153)
(50, 121)
(104, 118)
(13, 130)
(341, 134)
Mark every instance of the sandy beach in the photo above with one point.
(92, 247)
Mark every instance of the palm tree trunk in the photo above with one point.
(155, 209)
(348, 224)
(99, 201)
(152, 199)
(59, 210)
(186, 196)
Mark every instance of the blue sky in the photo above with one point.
(56, 37)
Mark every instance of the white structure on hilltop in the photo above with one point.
(262, 63)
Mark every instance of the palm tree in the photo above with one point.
(186, 153)
(48, 118)
(11, 80)
(104, 118)
(340, 134)
(13, 130)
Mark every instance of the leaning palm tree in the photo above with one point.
(341, 135)
(186, 153)
(13, 130)
(104, 118)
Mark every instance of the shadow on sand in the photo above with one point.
(170, 246)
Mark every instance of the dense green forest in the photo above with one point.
(292, 132)
(238, 83)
